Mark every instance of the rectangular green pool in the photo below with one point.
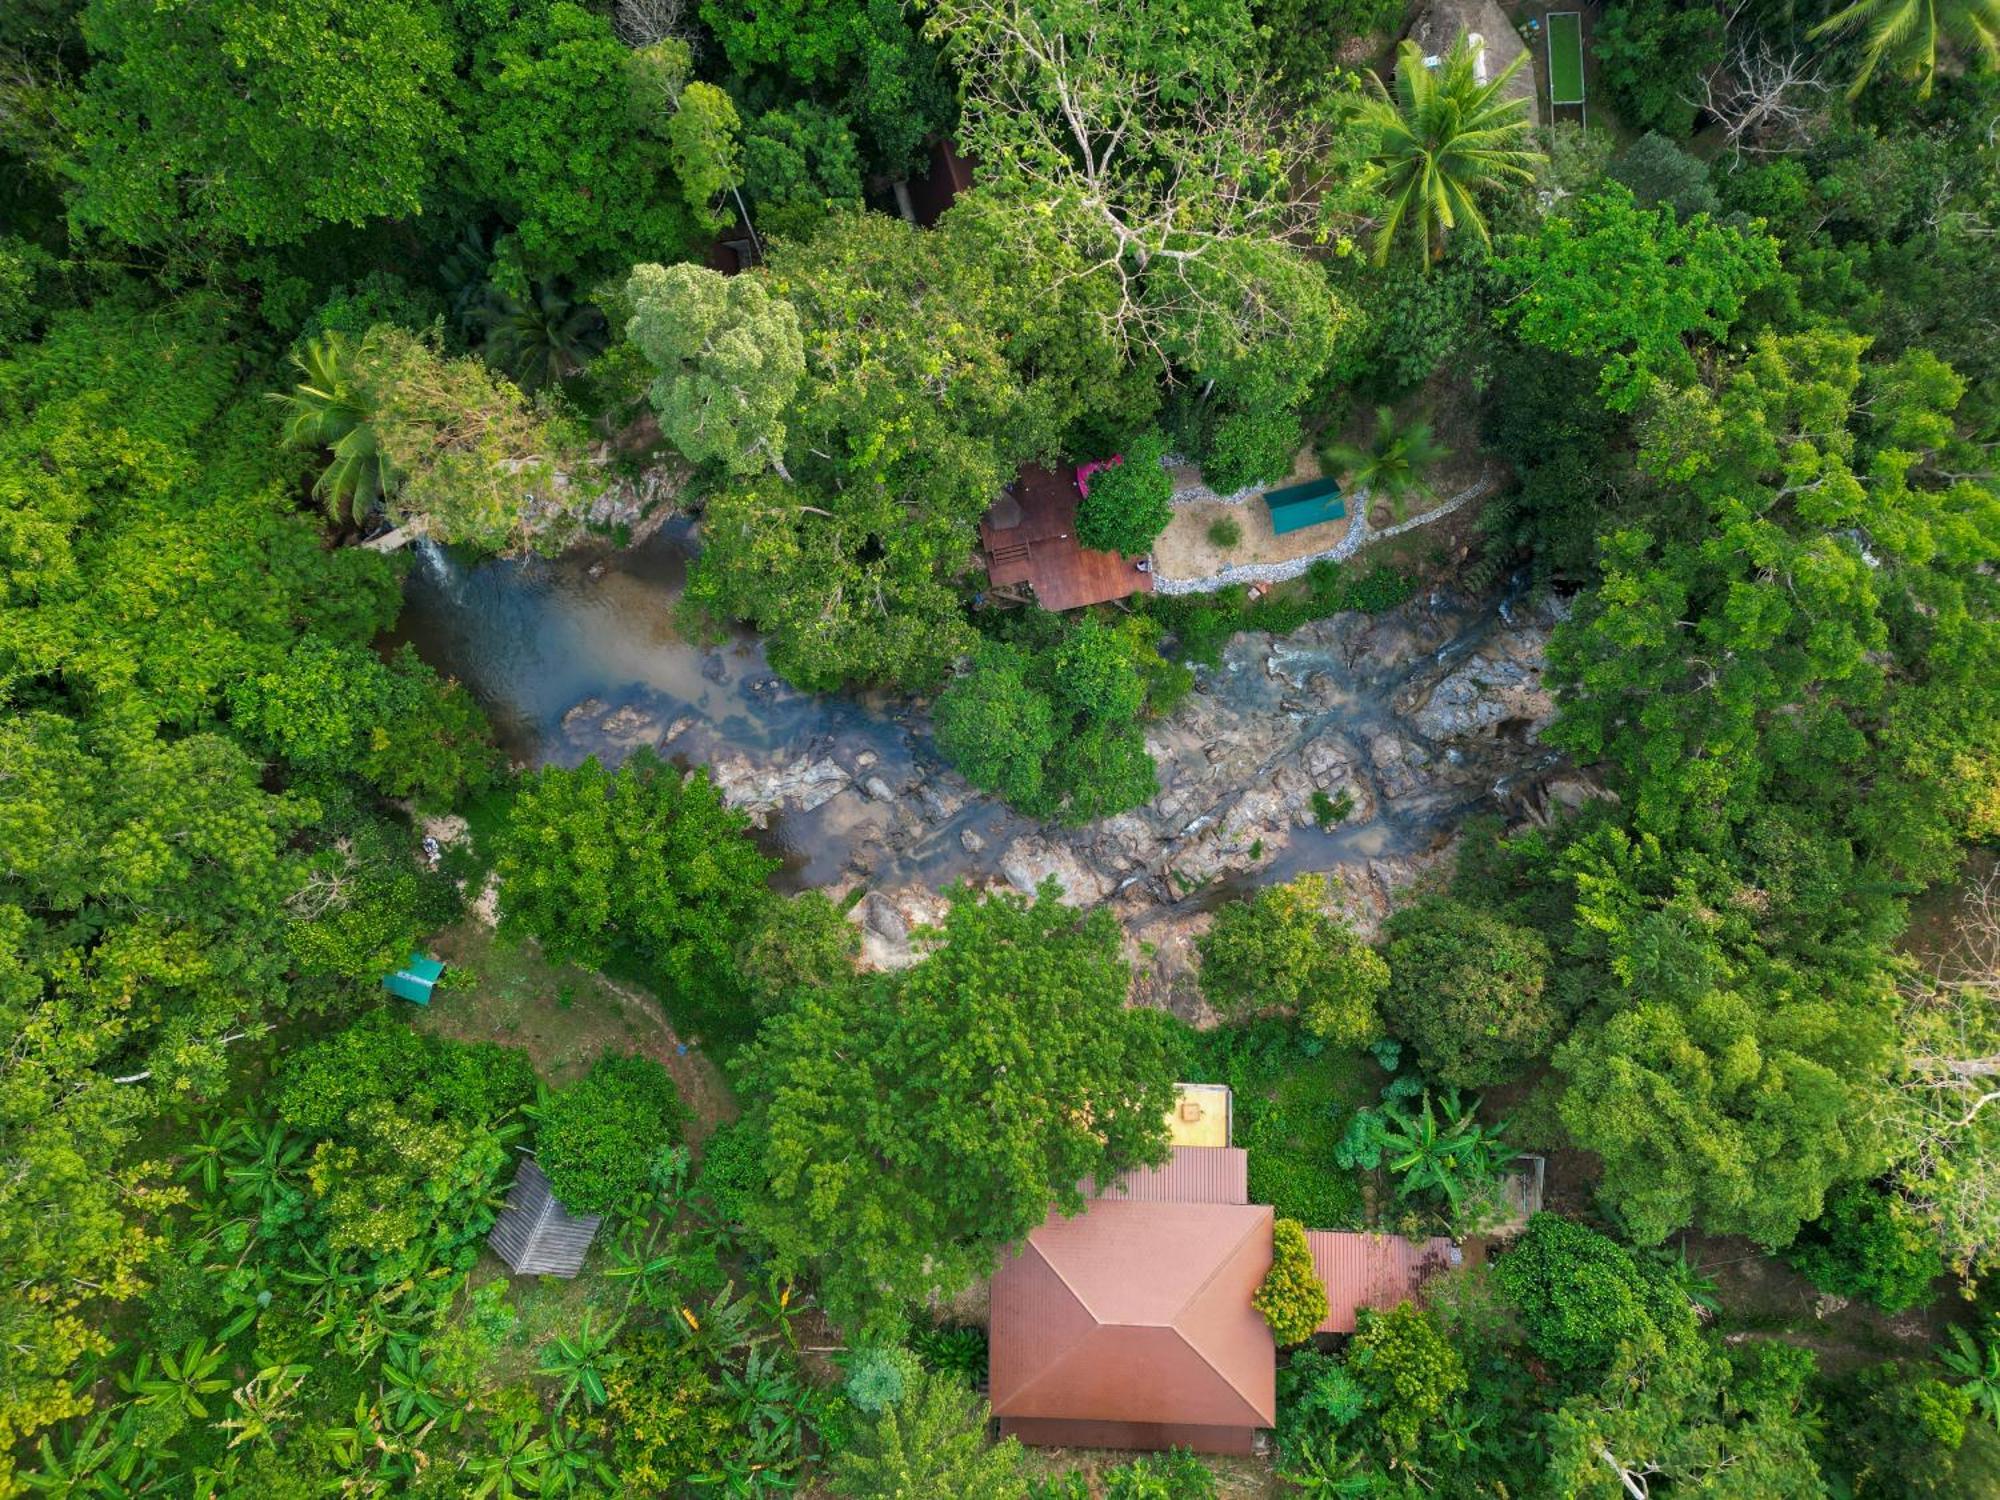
(1566, 57)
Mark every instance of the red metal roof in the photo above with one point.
(1193, 1174)
(1137, 1312)
(1372, 1270)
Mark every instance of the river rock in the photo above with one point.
(574, 719)
(714, 668)
(941, 802)
(970, 841)
(760, 790)
(888, 920)
(630, 727)
(1027, 862)
(1402, 766)
(879, 789)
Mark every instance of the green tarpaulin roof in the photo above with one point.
(415, 980)
(1298, 506)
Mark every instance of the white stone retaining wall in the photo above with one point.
(1358, 536)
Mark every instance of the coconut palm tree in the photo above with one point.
(1391, 463)
(1442, 138)
(330, 409)
(1909, 35)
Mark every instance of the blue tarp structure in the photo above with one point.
(1297, 506)
(415, 980)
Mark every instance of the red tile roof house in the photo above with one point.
(1130, 1325)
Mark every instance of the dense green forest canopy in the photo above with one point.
(276, 280)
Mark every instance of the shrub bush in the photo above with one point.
(1224, 532)
(1581, 1295)
(1870, 1244)
(1251, 447)
(600, 1137)
(1281, 950)
(1410, 1372)
(1292, 1298)
(1130, 503)
(1176, 1475)
(1469, 992)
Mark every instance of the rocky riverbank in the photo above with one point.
(1406, 723)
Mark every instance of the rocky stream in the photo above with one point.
(1411, 721)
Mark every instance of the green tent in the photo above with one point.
(1297, 506)
(415, 980)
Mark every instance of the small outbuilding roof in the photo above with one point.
(535, 1234)
(1192, 1174)
(415, 980)
(1372, 1270)
(1132, 1326)
(1297, 506)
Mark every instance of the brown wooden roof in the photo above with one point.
(1030, 537)
(1137, 1313)
(1372, 1270)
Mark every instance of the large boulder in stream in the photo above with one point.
(760, 790)
(1029, 861)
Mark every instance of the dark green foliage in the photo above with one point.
(1469, 992)
(732, 1169)
(557, 150)
(918, 1121)
(1651, 55)
(1582, 1296)
(318, 118)
(1254, 446)
(1224, 533)
(1293, 1098)
(381, 1056)
(932, 1442)
(799, 164)
(799, 944)
(1870, 1243)
(330, 709)
(1130, 503)
(1056, 731)
(1658, 171)
(954, 1351)
(599, 1139)
(1896, 1429)
(644, 861)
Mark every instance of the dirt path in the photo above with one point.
(564, 1018)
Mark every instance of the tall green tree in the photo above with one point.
(1609, 280)
(918, 1122)
(644, 859)
(931, 1442)
(1437, 142)
(730, 359)
(1281, 949)
(261, 120)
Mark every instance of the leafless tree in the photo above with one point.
(641, 23)
(1164, 188)
(1944, 1115)
(1767, 102)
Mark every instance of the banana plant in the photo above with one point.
(93, 1460)
(637, 1259)
(270, 1168)
(1977, 1364)
(1442, 1157)
(573, 1460)
(184, 1380)
(215, 1139)
(581, 1363)
(517, 1464)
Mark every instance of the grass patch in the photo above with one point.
(1294, 1098)
(1224, 532)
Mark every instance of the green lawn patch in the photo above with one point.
(1294, 1098)
(1566, 57)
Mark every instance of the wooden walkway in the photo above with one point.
(1030, 538)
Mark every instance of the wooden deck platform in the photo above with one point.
(1030, 538)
